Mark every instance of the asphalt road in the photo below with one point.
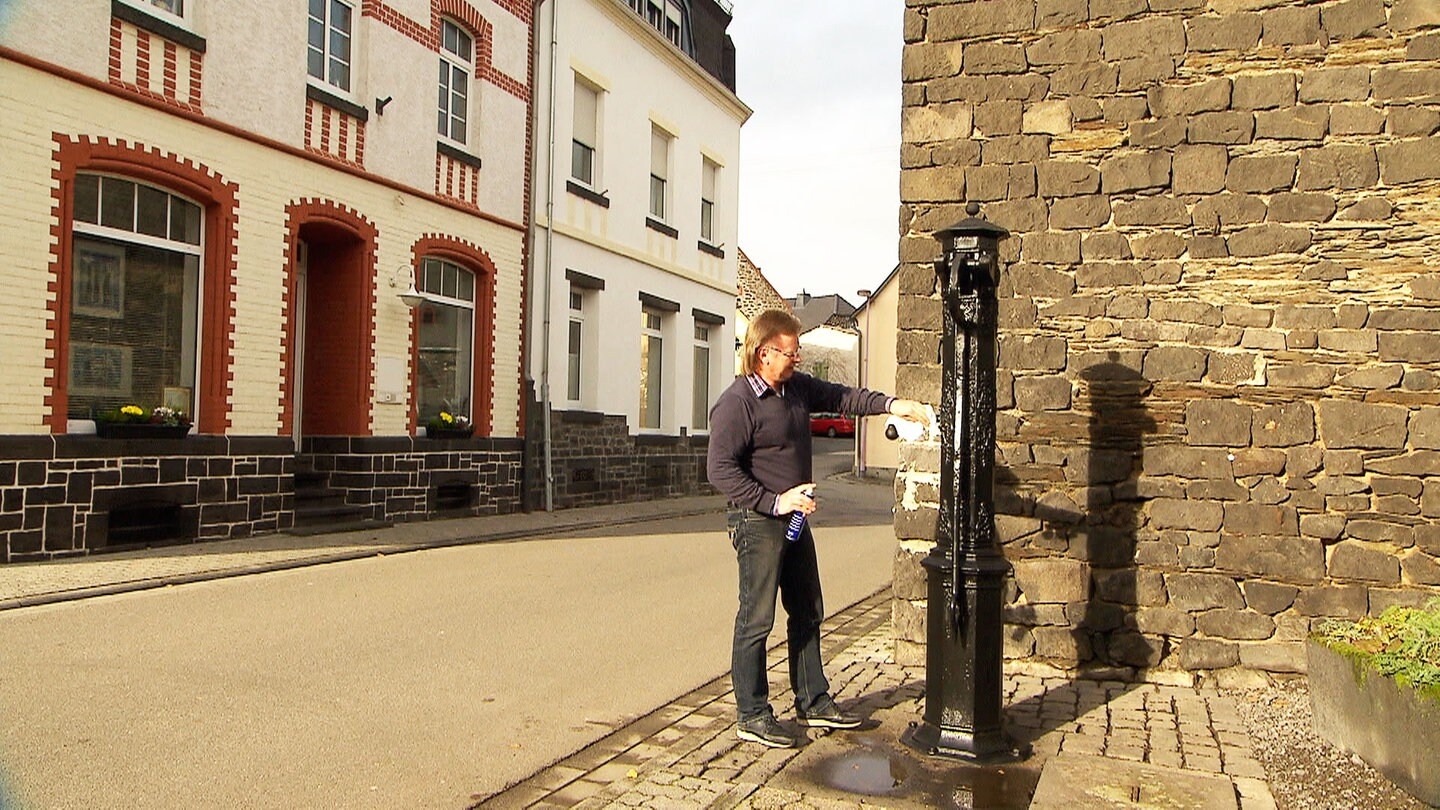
(412, 680)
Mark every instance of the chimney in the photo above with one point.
(802, 299)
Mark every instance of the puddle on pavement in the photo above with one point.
(870, 774)
(881, 767)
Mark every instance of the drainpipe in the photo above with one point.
(549, 264)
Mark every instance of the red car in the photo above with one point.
(831, 424)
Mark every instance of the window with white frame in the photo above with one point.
(134, 298)
(585, 140)
(171, 10)
(700, 397)
(665, 16)
(652, 363)
(445, 357)
(457, 64)
(330, 42)
(576, 344)
(673, 23)
(659, 171)
(709, 178)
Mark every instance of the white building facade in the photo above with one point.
(212, 207)
(636, 173)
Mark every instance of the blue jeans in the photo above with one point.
(770, 563)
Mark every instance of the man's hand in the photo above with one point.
(911, 410)
(796, 500)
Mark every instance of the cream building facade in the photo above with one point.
(877, 320)
(213, 208)
(637, 153)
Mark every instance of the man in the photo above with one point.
(759, 457)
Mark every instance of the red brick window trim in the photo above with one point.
(463, 13)
(477, 261)
(218, 266)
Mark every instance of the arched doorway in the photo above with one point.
(331, 320)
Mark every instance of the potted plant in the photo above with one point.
(449, 426)
(134, 422)
(1375, 691)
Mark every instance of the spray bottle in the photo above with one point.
(797, 520)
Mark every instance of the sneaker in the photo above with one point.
(765, 730)
(825, 714)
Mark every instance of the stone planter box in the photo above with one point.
(1394, 728)
(140, 430)
(448, 433)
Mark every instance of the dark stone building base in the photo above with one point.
(69, 494)
(595, 461)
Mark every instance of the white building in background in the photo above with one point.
(878, 320)
(832, 351)
(637, 146)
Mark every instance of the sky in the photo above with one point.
(820, 157)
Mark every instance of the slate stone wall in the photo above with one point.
(70, 495)
(399, 478)
(596, 461)
(1220, 318)
(67, 495)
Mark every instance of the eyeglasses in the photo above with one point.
(795, 355)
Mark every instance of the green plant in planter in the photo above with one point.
(1402, 643)
(447, 422)
(136, 415)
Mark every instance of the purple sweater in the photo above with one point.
(760, 443)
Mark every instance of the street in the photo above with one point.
(412, 680)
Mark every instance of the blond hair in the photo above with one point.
(766, 326)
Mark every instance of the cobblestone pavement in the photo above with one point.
(686, 754)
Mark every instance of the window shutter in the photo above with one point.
(659, 153)
(586, 113)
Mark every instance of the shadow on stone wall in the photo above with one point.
(1114, 395)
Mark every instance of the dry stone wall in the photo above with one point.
(1220, 317)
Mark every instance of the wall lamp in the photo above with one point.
(412, 297)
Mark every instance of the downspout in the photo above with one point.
(549, 264)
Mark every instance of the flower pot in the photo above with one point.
(140, 430)
(448, 433)
(1393, 727)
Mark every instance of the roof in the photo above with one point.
(754, 292)
(813, 310)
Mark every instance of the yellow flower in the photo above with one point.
(447, 418)
(132, 410)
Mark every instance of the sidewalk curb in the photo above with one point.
(511, 535)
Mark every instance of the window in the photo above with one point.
(700, 402)
(672, 23)
(576, 343)
(330, 40)
(665, 16)
(652, 351)
(659, 171)
(134, 298)
(584, 143)
(166, 8)
(457, 63)
(447, 339)
(709, 176)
